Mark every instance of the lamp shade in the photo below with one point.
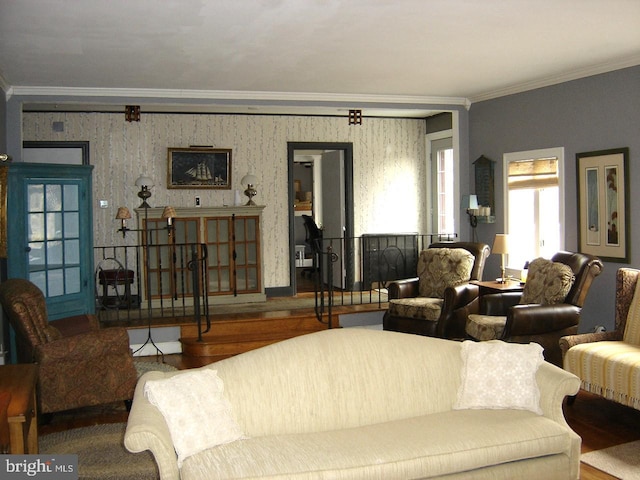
(249, 179)
(500, 243)
(169, 212)
(123, 213)
(144, 181)
(473, 202)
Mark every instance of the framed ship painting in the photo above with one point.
(199, 167)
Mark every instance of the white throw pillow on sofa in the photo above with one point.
(499, 375)
(196, 412)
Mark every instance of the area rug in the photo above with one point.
(101, 453)
(144, 366)
(100, 448)
(622, 461)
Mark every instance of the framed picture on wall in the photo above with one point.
(603, 204)
(199, 168)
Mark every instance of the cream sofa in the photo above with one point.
(362, 404)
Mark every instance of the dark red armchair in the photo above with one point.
(79, 363)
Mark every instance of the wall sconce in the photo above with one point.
(472, 210)
(471, 205)
(123, 215)
(501, 246)
(145, 184)
(132, 113)
(250, 180)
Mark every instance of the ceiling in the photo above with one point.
(393, 58)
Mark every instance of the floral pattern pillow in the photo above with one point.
(439, 268)
(548, 282)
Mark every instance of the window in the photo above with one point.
(534, 204)
(442, 163)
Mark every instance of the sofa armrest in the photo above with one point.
(555, 384)
(540, 319)
(147, 430)
(80, 347)
(569, 341)
(406, 288)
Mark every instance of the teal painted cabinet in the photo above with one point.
(50, 234)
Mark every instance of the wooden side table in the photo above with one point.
(22, 413)
(493, 286)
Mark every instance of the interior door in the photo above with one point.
(333, 218)
(50, 241)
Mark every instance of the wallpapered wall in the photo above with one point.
(389, 167)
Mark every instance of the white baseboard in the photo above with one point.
(148, 349)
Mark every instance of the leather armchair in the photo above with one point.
(540, 323)
(79, 363)
(456, 299)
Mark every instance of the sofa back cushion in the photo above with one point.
(632, 327)
(439, 268)
(548, 282)
(340, 378)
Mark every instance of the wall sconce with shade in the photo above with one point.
(501, 246)
(471, 205)
(250, 180)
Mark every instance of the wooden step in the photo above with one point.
(231, 337)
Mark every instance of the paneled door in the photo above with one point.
(50, 235)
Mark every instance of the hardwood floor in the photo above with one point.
(599, 422)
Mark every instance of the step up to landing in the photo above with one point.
(231, 337)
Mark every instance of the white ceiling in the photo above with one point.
(291, 55)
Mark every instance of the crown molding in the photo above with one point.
(229, 95)
(557, 79)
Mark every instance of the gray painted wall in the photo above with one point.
(594, 113)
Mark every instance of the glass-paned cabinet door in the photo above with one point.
(218, 239)
(247, 248)
(169, 254)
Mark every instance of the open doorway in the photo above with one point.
(321, 186)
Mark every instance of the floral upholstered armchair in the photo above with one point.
(435, 302)
(547, 309)
(79, 363)
(608, 363)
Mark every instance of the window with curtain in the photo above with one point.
(534, 204)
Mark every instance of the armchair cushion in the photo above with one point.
(548, 283)
(486, 327)
(439, 268)
(609, 369)
(422, 308)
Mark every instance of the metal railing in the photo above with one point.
(350, 271)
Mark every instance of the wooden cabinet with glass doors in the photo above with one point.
(230, 239)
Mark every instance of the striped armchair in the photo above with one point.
(608, 363)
